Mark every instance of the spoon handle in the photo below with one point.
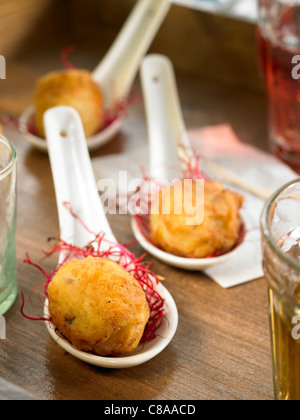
(166, 128)
(74, 178)
(117, 70)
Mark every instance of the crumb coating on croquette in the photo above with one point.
(216, 234)
(74, 88)
(98, 306)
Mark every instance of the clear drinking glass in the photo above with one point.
(281, 249)
(8, 270)
(279, 46)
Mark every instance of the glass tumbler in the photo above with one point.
(8, 270)
(280, 226)
(279, 50)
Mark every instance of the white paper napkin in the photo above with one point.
(219, 144)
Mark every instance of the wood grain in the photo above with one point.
(201, 44)
(19, 19)
(221, 349)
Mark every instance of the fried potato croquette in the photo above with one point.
(98, 306)
(216, 232)
(74, 88)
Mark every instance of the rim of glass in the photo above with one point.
(11, 164)
(266, 230)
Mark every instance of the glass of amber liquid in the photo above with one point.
(280, 226)
(279, 50)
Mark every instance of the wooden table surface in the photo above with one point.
(221, 349)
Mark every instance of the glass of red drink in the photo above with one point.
(279, 50)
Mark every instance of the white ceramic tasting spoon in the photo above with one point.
(75, 183)
(168, 139)
(116, 72)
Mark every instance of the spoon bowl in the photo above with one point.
(116, 72)
(98, 140)
(189, 264)
(170, 150)
(142, 354)
(75, 183)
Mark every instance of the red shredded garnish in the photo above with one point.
(29, 317)
(64, 57)
(190, 160)
(139, 269)
(118, 111)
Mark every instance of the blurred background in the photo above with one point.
(212, 45)
(240, 9)
(213, 40)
